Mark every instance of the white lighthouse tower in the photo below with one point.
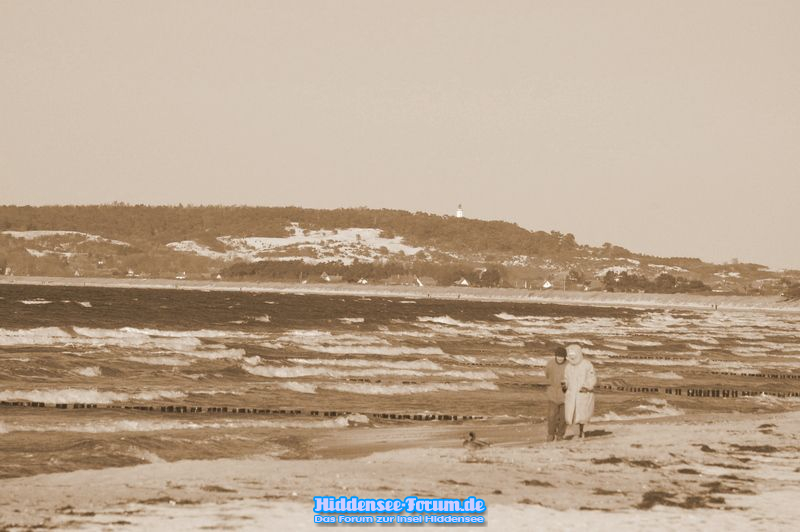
(459, 212)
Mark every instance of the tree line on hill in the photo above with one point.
(149, 226)
(373, 272)
(663, 283)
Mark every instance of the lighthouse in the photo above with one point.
(459, 212)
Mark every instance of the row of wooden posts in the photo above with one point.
(180, 409)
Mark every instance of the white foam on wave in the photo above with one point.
(159, 361)
(290, 372)
(90, 371)
(351, 320)
(423, 364)
(408, 389)
(85, 304)
(464, 359)
(37, 301)
(530, 361)
(34, 336)
(637, 343)
(376, 350)
(75, 395)
(698, 347)
(667, 375)
(653, 409)
(300, 387)
(658, 361)
(600, 353)
(131, 425)
(444, 320)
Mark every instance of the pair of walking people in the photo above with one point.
(570, 386)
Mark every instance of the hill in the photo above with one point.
(347, 245)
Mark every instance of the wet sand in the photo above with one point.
(631, 300)
(740, 472)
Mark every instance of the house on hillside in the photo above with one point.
(547, 285)
(461, 282)
(363, 281)
(405, 280)
(330, 278)
(425, 281)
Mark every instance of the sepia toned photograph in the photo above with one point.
(366, 264)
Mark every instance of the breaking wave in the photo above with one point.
(408, 389)
(130, 425)
(654, 408)
(75, 395)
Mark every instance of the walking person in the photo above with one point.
(579, 398)
(554, 373)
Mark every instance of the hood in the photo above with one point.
(574, 354)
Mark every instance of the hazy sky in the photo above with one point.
(671, 128)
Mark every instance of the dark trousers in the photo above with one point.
(556, 424)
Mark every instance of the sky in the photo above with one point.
(670, 128)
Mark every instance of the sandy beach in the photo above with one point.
(696, 471)
(608, 299)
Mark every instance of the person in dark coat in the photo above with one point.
(554, 373)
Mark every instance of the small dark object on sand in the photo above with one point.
(473, 444)
(728, 466)
(651, 498)
(535, 482)
(601, 491)
(719, 487)
(688, 471)
(596, 433)
(756, 448)
(647, 464)
(767, 426)
(734, 477)
(454, 482)
(609, 460)
(705, 448)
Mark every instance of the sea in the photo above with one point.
(94, 377)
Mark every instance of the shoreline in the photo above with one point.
(496, 295)
(695, 471)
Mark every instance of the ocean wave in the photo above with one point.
(408, 389)
(300, 387)
(660, 375)
(423, 364)
(75, 395)
(131, 425)
(35, 336)
(445, 320)
(600, 352)
(653, 409)
(290, 372)
(37, 301)
(159, 361)
(530, 361)
(464, 359)
(375, 350)
(351, 320)
(90, 371)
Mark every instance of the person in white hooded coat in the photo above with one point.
(579, 398)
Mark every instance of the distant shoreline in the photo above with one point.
(507, 295)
